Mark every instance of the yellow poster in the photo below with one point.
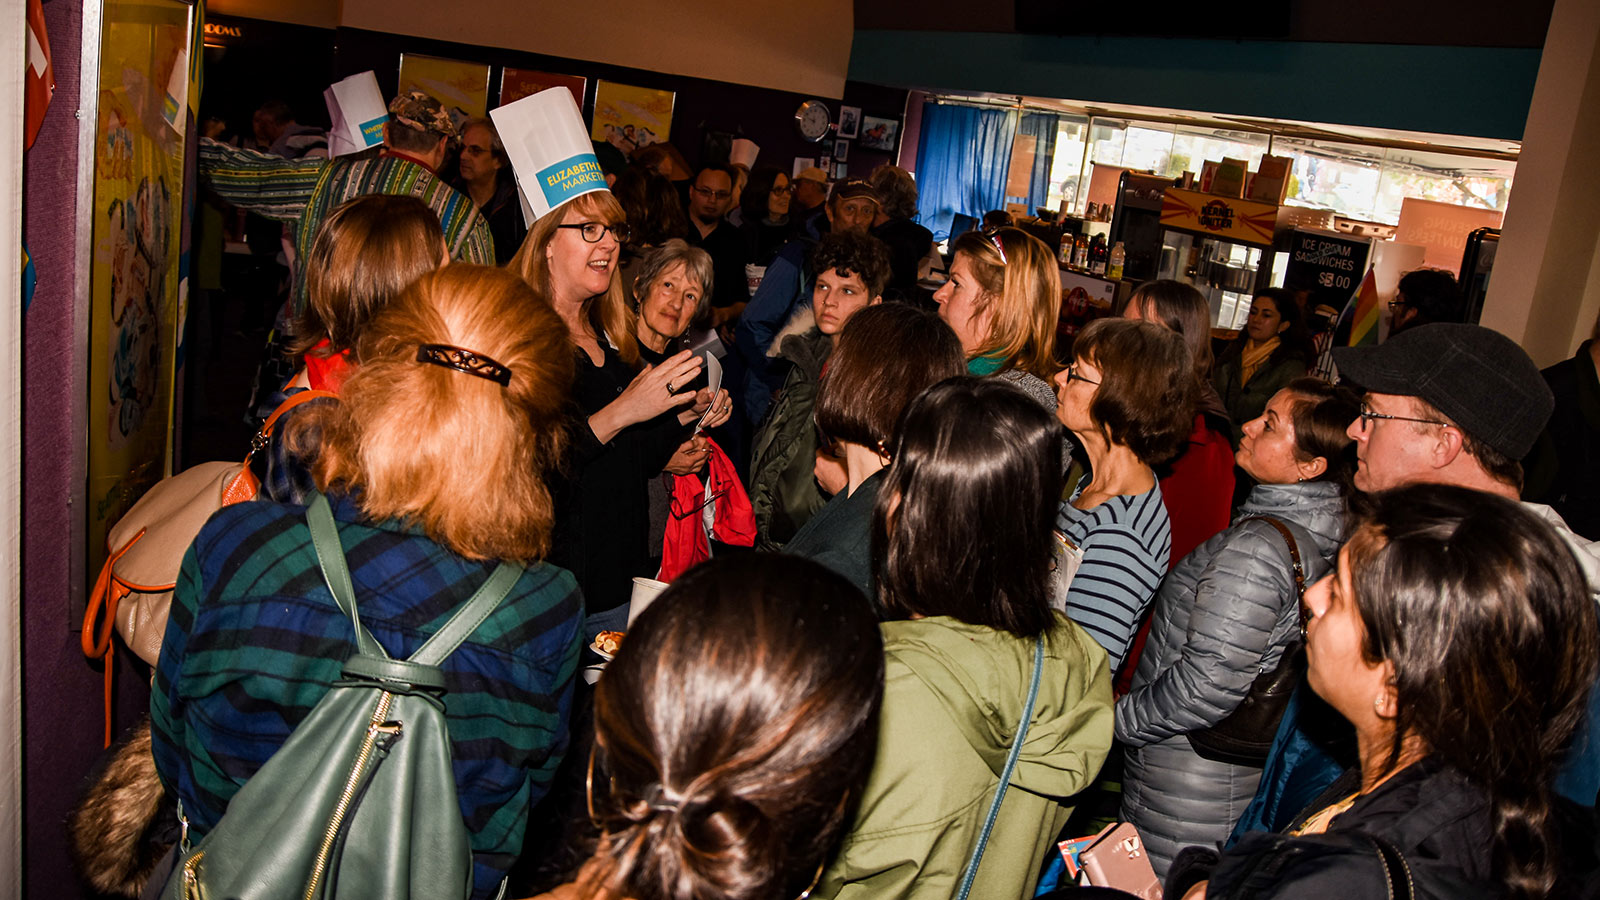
(631, 117)
(133, 287)
(462, 88)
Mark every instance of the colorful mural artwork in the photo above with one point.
(134, 284)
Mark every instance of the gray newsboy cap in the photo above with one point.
(1478, 377)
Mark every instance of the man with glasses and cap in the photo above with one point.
(1445, 403)
(1451, 403)
(810, 192)
(303, 192)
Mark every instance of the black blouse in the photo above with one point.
(602, 506)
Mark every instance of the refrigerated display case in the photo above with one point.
(1218, 245)
(1136, 223)
(1476, 262)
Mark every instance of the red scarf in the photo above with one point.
(327, 372)
(734, 521)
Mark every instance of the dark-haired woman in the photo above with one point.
(1274, 349)
(1439, 588)
(1228, 612)
(764, 214)
(962, 552)
(733, 733)
(884, 358)
(1129, 400)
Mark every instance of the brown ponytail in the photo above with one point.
(734, 731)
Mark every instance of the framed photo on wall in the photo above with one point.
(849, 122)
(879, 134)
(518, 83)
(841, 150)
(629, 117)
(461, 87)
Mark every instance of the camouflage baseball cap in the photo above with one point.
(414, 109)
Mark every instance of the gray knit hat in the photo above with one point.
(1479, 378)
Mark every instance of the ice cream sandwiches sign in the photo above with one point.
(570, 177)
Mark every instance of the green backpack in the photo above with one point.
(360, 801)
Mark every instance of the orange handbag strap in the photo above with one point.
(100, 618)
(96, 635)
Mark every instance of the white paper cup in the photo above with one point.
(644, 591)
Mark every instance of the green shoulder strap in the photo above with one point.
(330, 555)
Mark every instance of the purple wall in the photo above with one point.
(61, 706)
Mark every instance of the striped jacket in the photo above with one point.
(302, 192)
(1126, 542)
(255, 639)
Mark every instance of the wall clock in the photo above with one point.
(813, 120)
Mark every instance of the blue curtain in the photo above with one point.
(1043, 127)
(962, 158)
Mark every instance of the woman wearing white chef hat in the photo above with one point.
(634, 416)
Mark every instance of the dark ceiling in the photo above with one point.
(1459, 23)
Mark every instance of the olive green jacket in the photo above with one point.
(783, 491)
(953, 695)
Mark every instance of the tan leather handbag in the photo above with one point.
(147, 545)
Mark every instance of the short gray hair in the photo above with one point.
(897, 190)
(656, 263)
(496, 147)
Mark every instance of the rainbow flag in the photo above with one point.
(1358, 324)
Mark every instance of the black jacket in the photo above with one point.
(1438, 820)
(1563, 469)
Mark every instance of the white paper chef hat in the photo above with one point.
(743, 153)
(549, 150)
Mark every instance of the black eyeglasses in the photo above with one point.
(1072, 375)
(1394, 305)
(1367, 417)
(593, 231)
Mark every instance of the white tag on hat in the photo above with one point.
(356, 108)
(549, 149)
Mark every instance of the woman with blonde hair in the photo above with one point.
(629, 417)
(1003, 299)
(434, 464)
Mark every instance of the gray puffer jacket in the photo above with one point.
(1223, 615)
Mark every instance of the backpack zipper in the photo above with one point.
(377, 726)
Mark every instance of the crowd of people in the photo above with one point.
(982, 560)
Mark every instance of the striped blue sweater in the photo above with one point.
(1125, 543)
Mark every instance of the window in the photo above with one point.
(1066, 167)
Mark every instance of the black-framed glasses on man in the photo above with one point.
(1072, 375)
(593, 231)
(1396, 305)
(1368, 417)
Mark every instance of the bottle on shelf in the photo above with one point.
(1066, 249)
(1119, 258)
(1097, 255)
(1080, 252)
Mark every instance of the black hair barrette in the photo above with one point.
(464, 360)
